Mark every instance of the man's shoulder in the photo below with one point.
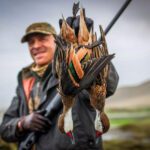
(25, 72)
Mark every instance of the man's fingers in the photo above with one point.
(40, 125)
(42, 121)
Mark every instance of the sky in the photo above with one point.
(129, 38)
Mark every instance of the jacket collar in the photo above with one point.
(49, 79)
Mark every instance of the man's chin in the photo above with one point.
(40, 63)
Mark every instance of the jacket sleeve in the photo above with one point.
(112, 81)
(10, 120)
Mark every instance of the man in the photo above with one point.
(36, 88)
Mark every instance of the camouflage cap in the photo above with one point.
(39, 27)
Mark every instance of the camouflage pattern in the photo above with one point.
(39, 27)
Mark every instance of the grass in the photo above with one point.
(129, 119)
(121, 122)
(146, 109)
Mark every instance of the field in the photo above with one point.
(129, 132)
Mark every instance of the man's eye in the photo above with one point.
(30, 42)
(43, 38)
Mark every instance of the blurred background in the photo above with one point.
(129, 108)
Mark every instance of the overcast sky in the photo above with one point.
(129, 38)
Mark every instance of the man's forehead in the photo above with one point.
(37, 35)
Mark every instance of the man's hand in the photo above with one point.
(35, 122)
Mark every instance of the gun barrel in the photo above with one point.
(54, 107)
(116, 17)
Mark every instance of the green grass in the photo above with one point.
(129, 119)
(121, 122)
(146, 109)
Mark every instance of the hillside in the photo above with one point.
(131, 97)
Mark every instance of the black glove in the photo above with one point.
(35, 122)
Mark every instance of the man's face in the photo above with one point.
(42, 48)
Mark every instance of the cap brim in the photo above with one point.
(25, 37)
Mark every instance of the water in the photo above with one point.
(116, 133)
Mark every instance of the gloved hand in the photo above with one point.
(35, 122)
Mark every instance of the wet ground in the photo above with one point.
(135, 136)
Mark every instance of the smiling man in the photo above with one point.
(22, 116)
(37, 86)
(41, 43)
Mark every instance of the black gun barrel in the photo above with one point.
(116, 17)
(112, 22)
(53, 107)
